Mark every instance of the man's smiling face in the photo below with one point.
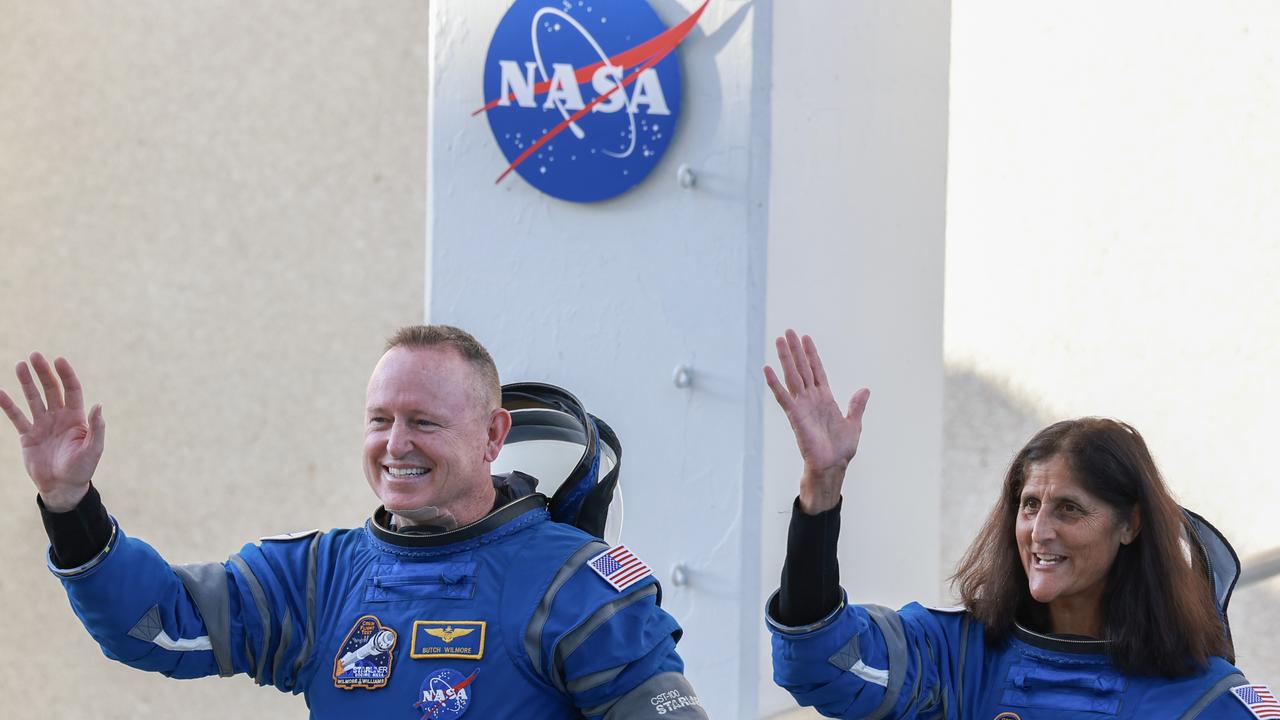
(427, 438)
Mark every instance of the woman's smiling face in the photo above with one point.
(1067, 540)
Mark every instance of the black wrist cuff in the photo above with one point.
(79, 534)
(811, 573)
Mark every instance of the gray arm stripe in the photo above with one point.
(1212, 694)
(248, 651)
(259, 599)
(946, 697)
(533, 634)
(286, 637)
(305, 652)
(915, 685)
(570, 642)
(964, 653)
(594, 680)
(667, 695)
(895, 640)
(207, 585)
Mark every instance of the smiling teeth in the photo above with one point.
(406, 472)
(1042, 559)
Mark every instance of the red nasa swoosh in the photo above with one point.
(431, 711)
(651, 52)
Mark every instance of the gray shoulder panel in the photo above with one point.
(895, 639)
(668, 696)
(207, 585)
(1212, 694)
(264, 615)
(289, 536)
(533, 633)
(570, 642)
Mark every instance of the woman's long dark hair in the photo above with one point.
(1158, 610)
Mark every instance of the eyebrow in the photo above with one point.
(1068, 497)
(425, 414)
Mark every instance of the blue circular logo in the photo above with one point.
(445, 695)
(583, 95)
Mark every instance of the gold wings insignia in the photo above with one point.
(448, 634)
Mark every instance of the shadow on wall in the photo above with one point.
(986, 420)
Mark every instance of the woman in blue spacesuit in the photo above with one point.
(1079, 600)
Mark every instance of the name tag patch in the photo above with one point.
(447, 639)
(364, 658)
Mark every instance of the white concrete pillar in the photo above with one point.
(855, 258)
(608, 299)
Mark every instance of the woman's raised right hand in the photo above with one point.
(827, 437)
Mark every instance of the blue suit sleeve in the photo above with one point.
(248, 615)
(868, 662)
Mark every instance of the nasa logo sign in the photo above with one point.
(582, 96)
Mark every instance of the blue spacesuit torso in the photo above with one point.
(926, 664)
(503, 618)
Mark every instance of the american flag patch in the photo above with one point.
(620, 568)
(1259, 699)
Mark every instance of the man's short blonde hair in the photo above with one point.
(427, 336)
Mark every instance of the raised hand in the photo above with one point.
(827, 437)
(60, 447)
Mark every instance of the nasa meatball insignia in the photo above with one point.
(364, 658)
(604, 70)
(447, 639)
(445, 694)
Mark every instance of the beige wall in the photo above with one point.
(215, 210)
(1114, 196)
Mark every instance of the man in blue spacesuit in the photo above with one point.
(1051, 539)
(459, 596)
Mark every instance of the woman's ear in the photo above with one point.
(1131, 526)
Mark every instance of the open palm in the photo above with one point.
(60, 445)
(826, 436)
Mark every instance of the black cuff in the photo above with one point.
(811, 573)
(79, 534)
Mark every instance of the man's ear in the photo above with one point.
(1132, 526)
(499, 426)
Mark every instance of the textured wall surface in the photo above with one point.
(215, 210)
(1114, 193)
